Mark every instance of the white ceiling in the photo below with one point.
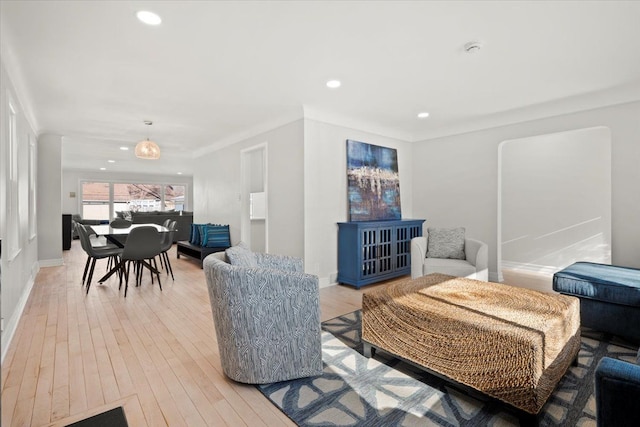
(214, 72)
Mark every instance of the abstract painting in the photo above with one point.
(373, 182)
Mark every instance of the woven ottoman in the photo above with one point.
(509, 343)
(609, 296)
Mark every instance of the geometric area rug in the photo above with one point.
(383, 391)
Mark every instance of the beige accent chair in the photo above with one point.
(475, 266)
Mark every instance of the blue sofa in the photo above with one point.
(617, 392)
(183, 221)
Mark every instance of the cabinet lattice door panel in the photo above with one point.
(403, 244)
(371, 251)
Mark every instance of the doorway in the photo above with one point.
(254, 229)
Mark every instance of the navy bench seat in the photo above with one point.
(609, 296)
(196, 251)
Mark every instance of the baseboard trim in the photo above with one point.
(323, 282)
(12, 325)
(495, 277)
(51, 262)
(547, 270)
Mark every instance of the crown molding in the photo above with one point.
(324, 116)
(601, 99)
(11, 68)
(256, 130)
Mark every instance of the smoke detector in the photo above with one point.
(472, 47)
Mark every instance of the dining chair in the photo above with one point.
(165, 245)
(99, 242)
(95, 253)
(143, 245)
(120, 223)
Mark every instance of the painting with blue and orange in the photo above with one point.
(373, 182)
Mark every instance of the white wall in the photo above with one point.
(254, 175)
(217, 187)
(456, 178)
(18, 273)
(556, 200)
(325, 190)
(307, 188)
(49, 200)
(71, 183)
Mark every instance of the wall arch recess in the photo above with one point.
(554, 201)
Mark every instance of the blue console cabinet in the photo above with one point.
(371, 251)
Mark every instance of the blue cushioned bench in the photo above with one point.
(204, 240)
(609, 296)
(196, 251)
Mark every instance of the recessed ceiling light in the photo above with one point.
(179, 173)
(148, 18)
(111, 161)
(103, 169)
(333, 84)
(124, 148)
(423, 115)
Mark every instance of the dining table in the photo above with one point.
(117, 236)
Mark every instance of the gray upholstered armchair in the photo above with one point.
(266, 312)
(427, 257)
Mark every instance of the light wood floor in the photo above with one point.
(154, 353)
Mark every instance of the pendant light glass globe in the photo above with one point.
(147, 149)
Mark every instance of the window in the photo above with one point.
(32, 187)
(137, 197)
(103, 200)
(95, 200)
(174, 197)
(13, 215)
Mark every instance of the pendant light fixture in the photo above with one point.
(147, 149)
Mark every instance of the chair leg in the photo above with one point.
(117, 260)
(136, 270)
(86, 268)
(158, 272)
(167, 262)
(93, 265)
(140, 271)
(126, 283)
(121, 273)
(166, 254)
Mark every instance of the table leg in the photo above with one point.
(111, 272)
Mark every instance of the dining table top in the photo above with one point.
(107, 230)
